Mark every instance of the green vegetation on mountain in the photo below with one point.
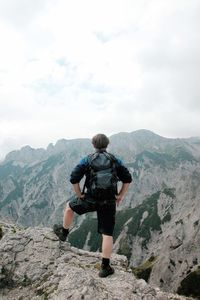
(49, 164)
(138, 225)
(190, 285)
(78, 237)
(166, 218)
(169, 192)
(8, 169)
(41, 204)
(15, 194)
(139, 221)
(180, 154)
(125, 246)
(144, 270)
(165, 160)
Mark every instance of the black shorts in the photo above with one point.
(105, 212)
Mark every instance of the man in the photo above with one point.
(103, 201)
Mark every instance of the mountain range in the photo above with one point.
(157, 225)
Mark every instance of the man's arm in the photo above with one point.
(77, 174)
(126, 178)
(77, 190)
(122, 193)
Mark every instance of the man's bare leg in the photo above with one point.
(68, 217)
(107, 246)
(62, 231)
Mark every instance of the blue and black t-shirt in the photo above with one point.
(82, 168)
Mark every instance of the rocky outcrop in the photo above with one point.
(35, 265)
(153, 229)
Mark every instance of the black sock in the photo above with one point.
(65, 231)
(105, 262)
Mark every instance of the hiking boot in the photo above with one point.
(106, 271)
(59, 231)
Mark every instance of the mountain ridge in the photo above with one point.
(26, 154)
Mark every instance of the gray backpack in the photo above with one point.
(102, 176)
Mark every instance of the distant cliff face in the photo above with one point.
(157, 225)
(34, 184)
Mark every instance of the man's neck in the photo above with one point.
(100, 150)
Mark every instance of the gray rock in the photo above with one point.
(39, 266)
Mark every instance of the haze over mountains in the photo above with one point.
(157, 225)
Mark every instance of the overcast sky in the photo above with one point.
(73, 68)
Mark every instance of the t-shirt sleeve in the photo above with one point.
(123, 173)
(79, 171)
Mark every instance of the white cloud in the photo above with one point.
(71, 68)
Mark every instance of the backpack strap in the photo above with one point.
(90, 159)
(110, 156)
(84, 186)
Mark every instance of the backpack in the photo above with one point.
(102, 176)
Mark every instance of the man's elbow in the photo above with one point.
(73, 181)
(127, 181)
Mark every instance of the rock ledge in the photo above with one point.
(34, 264)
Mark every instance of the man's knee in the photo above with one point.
(68, 210)
(107, 237)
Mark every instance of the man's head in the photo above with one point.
(100, 141)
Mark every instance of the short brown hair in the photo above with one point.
(100, 141)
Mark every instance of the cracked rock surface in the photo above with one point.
(34, 264)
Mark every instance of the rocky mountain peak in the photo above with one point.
(26, 155)
(34, 264)
(125, 144)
